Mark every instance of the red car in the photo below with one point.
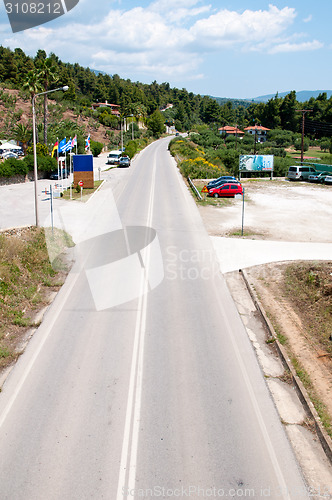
(227, 190)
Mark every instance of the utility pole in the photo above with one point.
(255, 139)
(303, 111)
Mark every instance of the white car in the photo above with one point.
(9, 154)
(328, 179)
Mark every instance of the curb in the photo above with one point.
(98, 188)
(324, 438)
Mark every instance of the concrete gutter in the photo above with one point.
(324, 438)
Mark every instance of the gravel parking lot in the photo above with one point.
(276, 210)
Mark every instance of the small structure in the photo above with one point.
(228, 130)
(168, 106)
(258, 131)
(114, 108)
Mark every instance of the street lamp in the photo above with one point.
(121, 136)
(132, 127)
(35, 169)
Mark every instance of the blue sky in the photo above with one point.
(222, 48)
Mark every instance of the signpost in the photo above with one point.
(81, 184)
(204, 191)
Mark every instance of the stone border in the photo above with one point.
(324, 438)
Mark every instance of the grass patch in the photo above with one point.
(246, 233)
(308, 286)
(26, 275)
(215, 202)
(87, 192)
(318, 404)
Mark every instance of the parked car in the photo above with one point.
(318, 177)
(113, 157)
(57, 175)
(9, 154)
(300, 173)
(220, 183)
(124, 161)
(229, 189)
(328, 179)
(225, 178)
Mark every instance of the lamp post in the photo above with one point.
(132, 127)
(35, 167)
(303, 111)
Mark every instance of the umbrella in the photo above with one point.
(8, 145)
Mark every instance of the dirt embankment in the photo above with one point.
(14, 109)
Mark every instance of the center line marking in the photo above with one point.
(128, 462)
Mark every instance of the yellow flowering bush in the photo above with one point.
(199, 168)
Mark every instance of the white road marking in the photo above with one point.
(128, 462)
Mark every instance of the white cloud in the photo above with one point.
(228, 28)
(296, 47)
(167, 39)
(308, 19)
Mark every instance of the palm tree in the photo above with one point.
(46, 75)
(140, 113)
(23, 134)
(32, 85)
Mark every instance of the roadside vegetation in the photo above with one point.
(308, 286)
(208, 155)
(27, 280)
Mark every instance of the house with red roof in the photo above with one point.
(228, 130)
(113, 107)
(259, 131)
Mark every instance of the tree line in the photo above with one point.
(144, 101)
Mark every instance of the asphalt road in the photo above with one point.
(141, 381)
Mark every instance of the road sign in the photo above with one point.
(205, 190)
(81, 183)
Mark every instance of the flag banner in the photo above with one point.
(87, 142)
(62, 144)
(55, 148)
(67, 146)
(74, 141)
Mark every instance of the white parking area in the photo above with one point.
(282, 221)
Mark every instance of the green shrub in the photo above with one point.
(96, 148)
(184, 148)
(199, 168)
(40, 148)
(298, 144)
(131, 148)
(13, 166)
(44, 163)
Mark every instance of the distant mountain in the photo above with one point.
(301, 96)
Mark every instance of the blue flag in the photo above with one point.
(62, 145)
(67, 146)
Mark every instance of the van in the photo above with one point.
(299, 173)
(113, 157)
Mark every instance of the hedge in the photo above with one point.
(13, 166)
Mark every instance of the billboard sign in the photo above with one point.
(256, 163)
